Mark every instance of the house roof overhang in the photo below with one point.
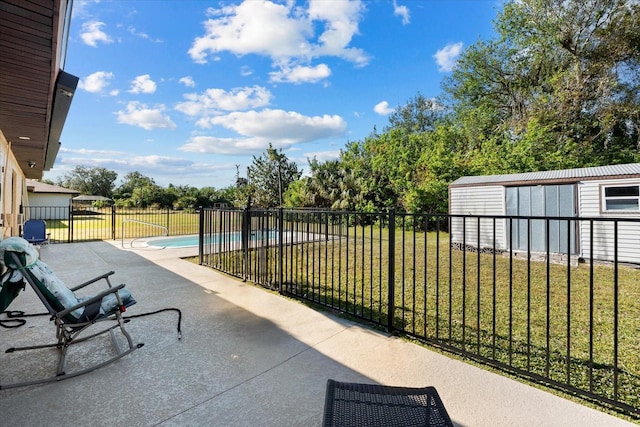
(35, 93)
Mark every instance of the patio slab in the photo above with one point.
(247, 357)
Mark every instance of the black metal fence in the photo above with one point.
(85, 223)
(569, 319)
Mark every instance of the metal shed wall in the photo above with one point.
(483, 200)
(481, 197)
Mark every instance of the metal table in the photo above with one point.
(354, 404)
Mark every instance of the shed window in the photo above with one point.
(625, 198)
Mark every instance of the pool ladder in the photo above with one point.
(125, 221)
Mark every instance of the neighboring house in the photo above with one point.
(595, 192)
(35, 96)
(48, 201)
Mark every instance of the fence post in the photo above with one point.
(201, 236)
(113, 222)
(245, 230)
(70, 233)
(391, 271)
(280, 247)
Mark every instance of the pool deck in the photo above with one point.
(248, 357)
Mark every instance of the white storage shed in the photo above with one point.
(48, 201)
(601, 193)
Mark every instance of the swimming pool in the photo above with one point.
(192, 240)
(174, 242)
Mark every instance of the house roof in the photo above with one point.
(567, 176)
(35, 94)
(34, 186)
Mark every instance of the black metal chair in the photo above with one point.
(370, 405)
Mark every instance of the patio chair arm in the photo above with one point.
(91, 300)
(82, 285)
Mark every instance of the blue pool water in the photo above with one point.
(189, 241)
(192, 240)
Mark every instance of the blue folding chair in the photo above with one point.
(34, 231)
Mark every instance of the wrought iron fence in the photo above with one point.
(553, 299)
(85, 223)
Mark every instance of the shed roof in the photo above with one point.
(41, 187)
(90, 198)
(630, 170)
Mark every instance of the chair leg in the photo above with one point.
(67, 338)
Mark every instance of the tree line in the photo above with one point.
(557, 87)
(268, 177)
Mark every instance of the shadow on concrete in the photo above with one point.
(231, 367)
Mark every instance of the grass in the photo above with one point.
(553, 320)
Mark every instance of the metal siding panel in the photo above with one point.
(524, 209)
(488, 200)
(512, 200)
(537, 226)
(566, 199)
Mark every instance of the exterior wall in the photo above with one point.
(603, 231)
(49, 206)
(13, 191)
(481, 200)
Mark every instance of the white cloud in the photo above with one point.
(165, 170)
(216, 101)
(92, 33)
(151, 162)
(284, 33)
(215, 145)
(287, 127)
(96, 82)
(142, 35)
(323, 156)
(257, 129)
(90, 152)
(383, 109)
(188, 81)
(341, 21)
(447, 56)
(137, 114)
(402, 11)
(300, 74)
(80, 8)
(258, 27)
(245, 71)
(143, 84)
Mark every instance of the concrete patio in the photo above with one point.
(248, 357)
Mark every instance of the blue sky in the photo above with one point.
(186, 91)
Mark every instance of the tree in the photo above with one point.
(269, 177)
(298, 195)
(561, 81)
(90, 181)
(418, 115)
(131, 181)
